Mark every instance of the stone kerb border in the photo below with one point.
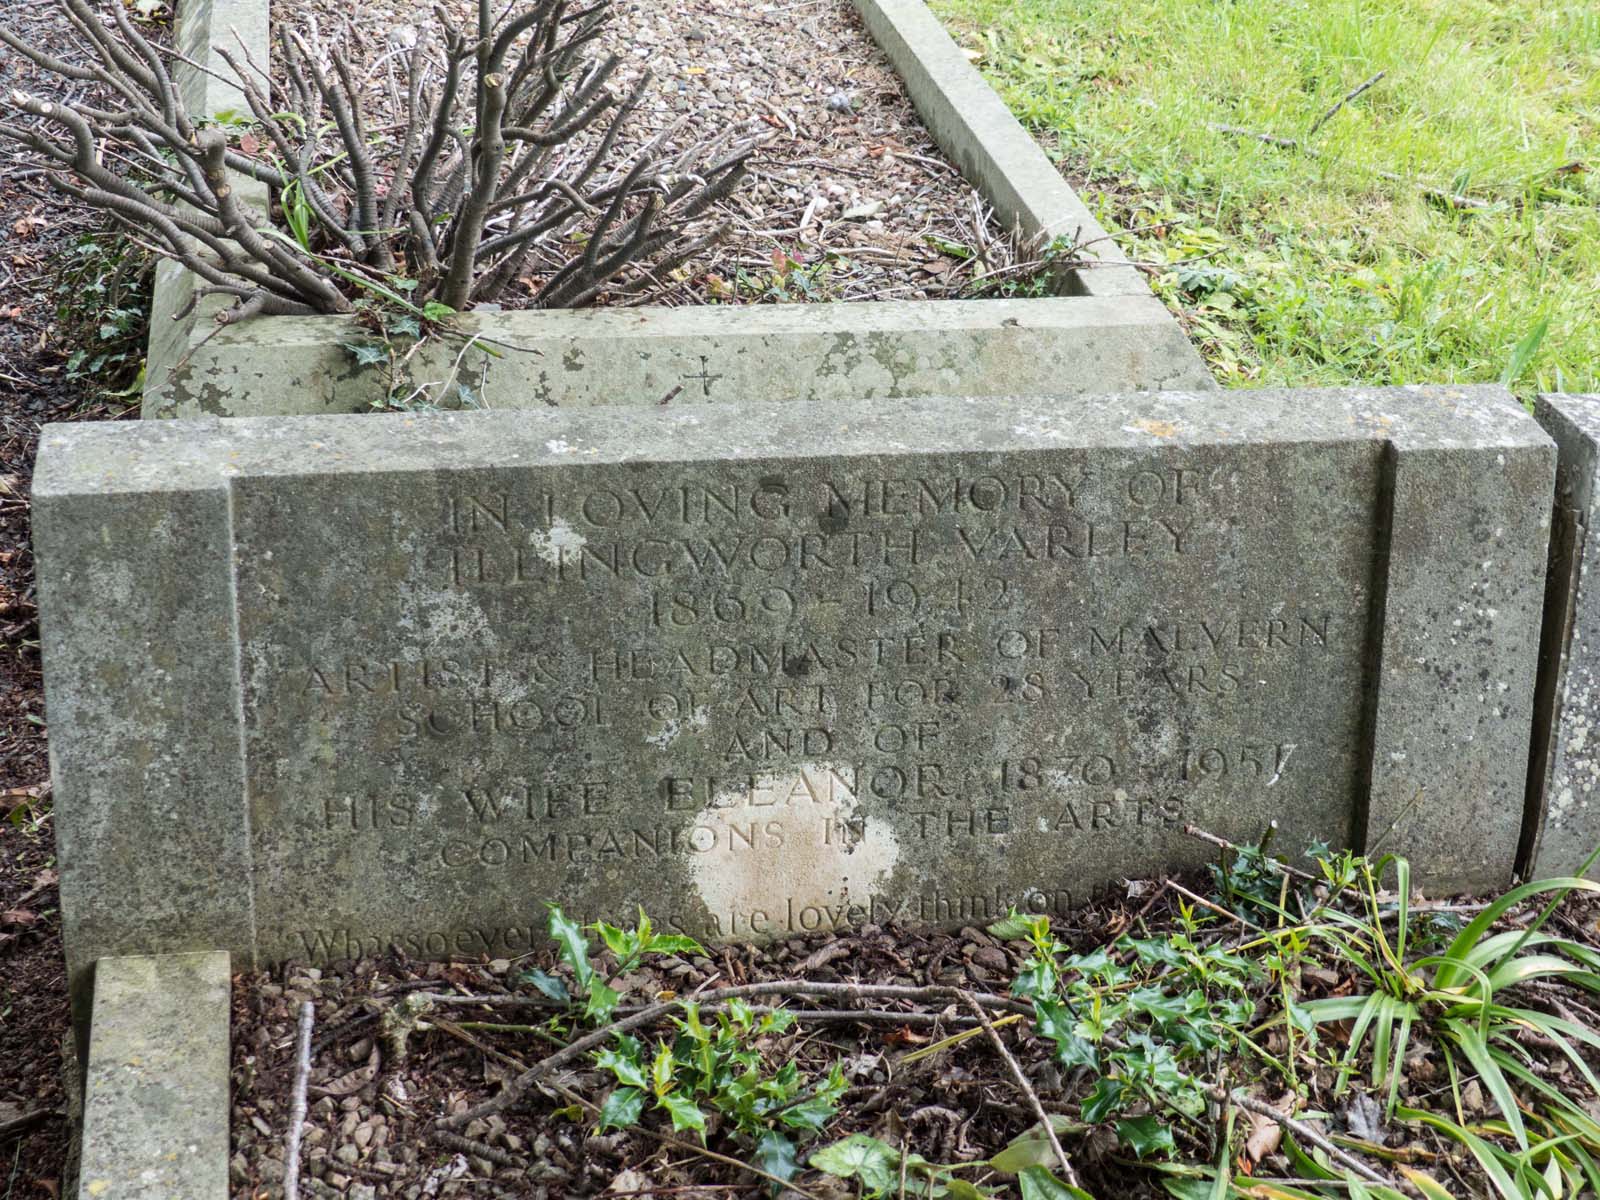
(1106, 334)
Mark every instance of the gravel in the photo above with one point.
(850, 199)
(375, 1094)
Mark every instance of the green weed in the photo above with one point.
(1444, 226)
(102, 288)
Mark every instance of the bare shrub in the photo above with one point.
(507, 162)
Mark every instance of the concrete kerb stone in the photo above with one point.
(155, 1124)
(992, 149)
(1563, 811)
(1108, 334)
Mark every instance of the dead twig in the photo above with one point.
(478, 1149)
(1302, 1131)
(1343, 100)
(297, 1107)
(690, 1148)
(1221, 843)
(1214, 907)
(20, 1125)
(1067, 1171)
(519, 1086)
(1448, 198)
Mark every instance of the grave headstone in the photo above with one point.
(1564, 783)
(318, 686)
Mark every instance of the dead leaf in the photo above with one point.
(628, 1180)
(18, 918)
(249, 143)
(1363, 1117)
(906, 1036)
(1266, 1135)
(352, 1082)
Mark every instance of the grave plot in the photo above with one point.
(1101, 330)
(319, 686)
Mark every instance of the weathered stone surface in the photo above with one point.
(1564, 801)
(155, 1122)
(772, 667)
(1105, 333)
(696, 355)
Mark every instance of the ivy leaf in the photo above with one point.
(366, 354)
(622, 1109)
(1031, 1148)
(685, 1114)
(568, 935)
(433, 310)
(549, 985)
(775, 1154)
(1146, 1135)
(860, 1157)
(1038, 1184)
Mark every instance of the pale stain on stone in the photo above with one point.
(812, 847)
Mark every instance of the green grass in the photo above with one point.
(1295, 268)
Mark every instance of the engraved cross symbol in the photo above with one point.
(705, 378)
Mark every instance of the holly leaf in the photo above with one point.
(661, 1070)
(1015, 925)
(673, 943)
(574, 947)
(626, 1068)
(1146, 1135)
(775, 1154)
(812, 1113)
(619, 941)
(602, 1002)
(685, 1114)
(622, 1109)
(1101, 1101)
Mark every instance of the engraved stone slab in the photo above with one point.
(319, 685)
(1564, 783)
